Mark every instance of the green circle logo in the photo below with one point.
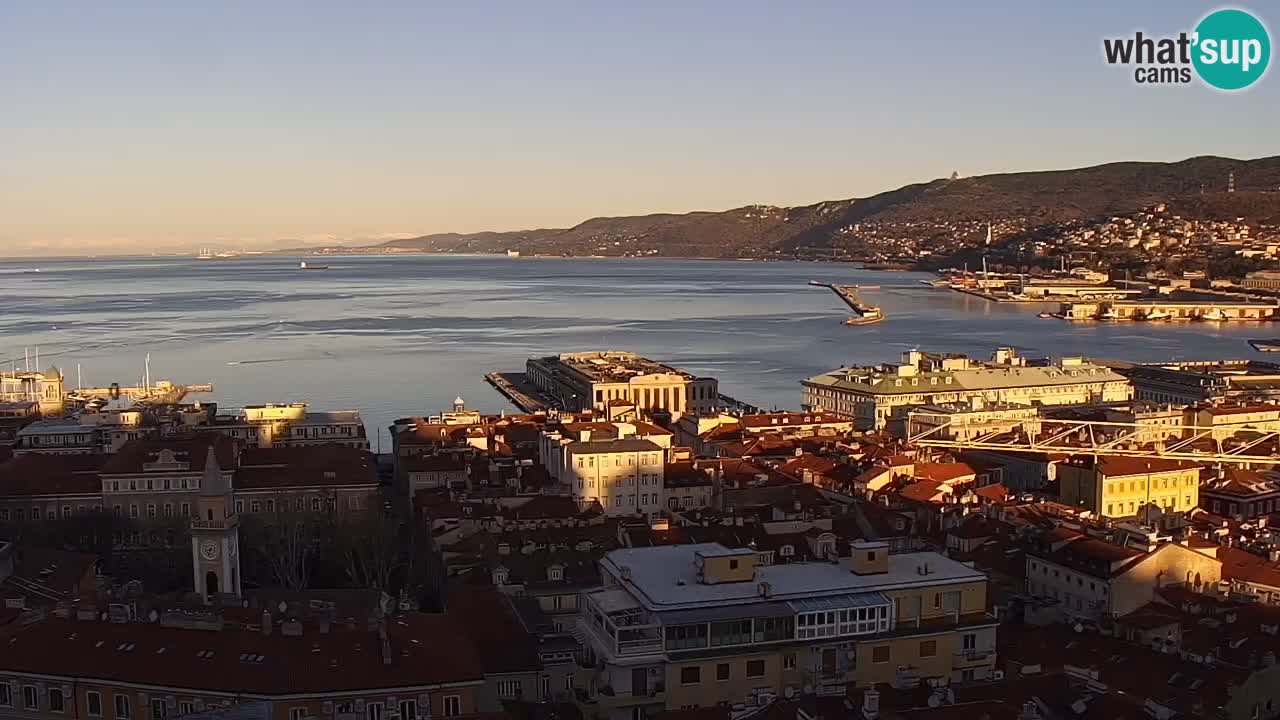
(1232, 49)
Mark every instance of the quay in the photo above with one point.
(1151, 310)
(162, 392)
(516, 388)
(864, 313)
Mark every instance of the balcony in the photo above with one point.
(974, 658)
(217, 524)
(610, 700)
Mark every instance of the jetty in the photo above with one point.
(516, 388)
(162, 392)
(864, 313)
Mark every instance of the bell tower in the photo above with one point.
(215, 534)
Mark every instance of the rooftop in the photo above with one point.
(611, 365)
(665, 577)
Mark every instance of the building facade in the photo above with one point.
(1117, 487)
(591, 380)
(43, 388)
(703, 625)
(873, 397)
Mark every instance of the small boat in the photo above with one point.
(1156, 314)
(1045, 315)
(32, 271)
(1214, 315)
(1270, 345)
(863, 319)
(304, 266)
(1108, 314)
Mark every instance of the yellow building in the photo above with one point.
(702, 625)
(1118, 487)
(592, 380)
(1226, 421)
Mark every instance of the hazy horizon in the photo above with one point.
(149, 127)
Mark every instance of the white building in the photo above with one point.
(608, 463)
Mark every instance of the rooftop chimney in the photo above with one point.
(871, 704)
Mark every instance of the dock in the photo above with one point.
(160, 393)
(516, 388)
(864, 313)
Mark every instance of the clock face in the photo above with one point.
(209, 550)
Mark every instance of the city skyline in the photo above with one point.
(143, 126)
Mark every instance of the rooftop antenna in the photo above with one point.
(147, 369)
(26, 359)
(79, 381)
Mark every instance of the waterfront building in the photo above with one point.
(1119, 487)
(876, 396)
(1195, 382)
(43, 388)
(276, 425)
(104, 431)
(704, 625)
(591, 380)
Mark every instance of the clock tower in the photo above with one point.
(215, 534)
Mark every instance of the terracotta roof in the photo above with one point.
(944, 472)
(685, 474)
(1242, 409)
(1116, 466)
(58, 571)
(193, 451)
(320, 465)
(1244, 566)
(492, 626)
(424, 650)
(995, 492)
(38, 474)
(926, 491)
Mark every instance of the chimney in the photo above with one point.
(385, 642)
(266, 622)
(871, 704)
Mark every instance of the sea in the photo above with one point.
(398, 336)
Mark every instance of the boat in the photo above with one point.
(304, 266)
(1214, 315)
(32, 271)
(1108, 314)
(1045, 315)
(1156, 314)
(1268, 345)
(868, 319)
(205, 254)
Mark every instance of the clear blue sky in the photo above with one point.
(135, 125)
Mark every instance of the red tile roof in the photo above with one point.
(491, 624)
(36, 474)
(194, 450)
(425, 650)
(944, 472)
(320, 465)
(1116, 466)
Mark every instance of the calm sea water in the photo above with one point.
(395, 336)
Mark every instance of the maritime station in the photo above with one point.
(1168, 310)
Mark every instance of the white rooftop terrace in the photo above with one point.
(665, 578)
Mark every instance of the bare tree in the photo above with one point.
(370, 549)
(283, 543)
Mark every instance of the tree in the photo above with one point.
(283, 544)
(370, 549)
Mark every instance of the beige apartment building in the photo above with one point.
(292, 424)
(619, 465)
(876, 396)
(703, 625)
(591, 380)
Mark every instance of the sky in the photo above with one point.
(134, 126)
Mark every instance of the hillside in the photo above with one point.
(926, 212)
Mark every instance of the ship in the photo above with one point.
(1214, 315)
(870, 317)
(1108, 314)
(304, 266)
(1156, 314)
(204, 254)
(1266, 345)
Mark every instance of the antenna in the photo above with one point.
(79, 381)
(147, 367)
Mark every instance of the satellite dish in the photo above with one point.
(1078, 628)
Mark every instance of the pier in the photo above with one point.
(162, 392)
(516, 388)
(864, 313)
(1156, 309)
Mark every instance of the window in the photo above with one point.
(93, 703)
(133, 512)
(6, 695)
(880, 654)
(408, 709)
(373, 711)
(928, 648)
(755, 668)
(733, 564)
(158, 709)
(970, 641)
(151, 510)
(452, 705)
(186, 511)
(297, 713)
(122, 707)
(186, 707)
(239, 506)
(55, 699)
(30, 697)
(690, 675)
(255, 507)
(722, 671)
(510, 689)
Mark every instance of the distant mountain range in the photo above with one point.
(1195, 187)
